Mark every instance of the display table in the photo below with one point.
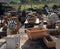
(13, 41)
(2, 44)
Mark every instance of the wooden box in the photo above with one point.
(36, 33)
(48, 40)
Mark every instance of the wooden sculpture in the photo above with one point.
(14, 25)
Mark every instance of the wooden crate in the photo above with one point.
(36, 33)
(49, 42)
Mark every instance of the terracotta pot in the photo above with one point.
(49, 42)
(36, 33)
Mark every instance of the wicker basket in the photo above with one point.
(36, 33)
(48, 43)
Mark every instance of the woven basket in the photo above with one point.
(36, 33)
